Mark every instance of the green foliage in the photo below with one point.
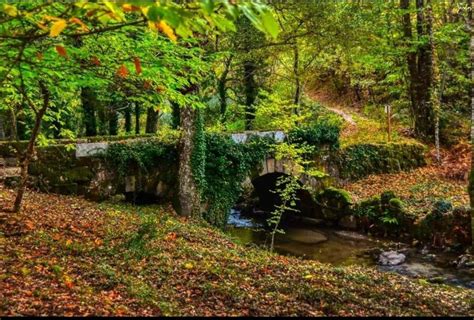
(227, 165)
(335, 203)
(323, 133)
(369, 208)
(198, 156)
(357, 161)
(385, 214)
(287, 187)
(139, 155)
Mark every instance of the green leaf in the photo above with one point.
(154, 13)
(269, 23)
(208, 6)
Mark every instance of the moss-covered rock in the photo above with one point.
(335, 203)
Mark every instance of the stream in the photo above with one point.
(342, 248)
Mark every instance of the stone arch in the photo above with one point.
(262, 190)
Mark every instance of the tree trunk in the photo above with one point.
(2, 128)
(420, 65)
(189, 195)
(470, 27)
(151, 120)
(175, 115)
(137, 118)
(21, 127)
(89, 105)
(250, 88)
(296, 73)
(222, 88)
(31, 148)
(54, 123)
(113, 122)
(102, 113)
(128, 119)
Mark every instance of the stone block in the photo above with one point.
(130, 183)
(90, 149)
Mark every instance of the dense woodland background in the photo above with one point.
(412, 55)
(373, 96)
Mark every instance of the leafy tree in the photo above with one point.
(35, 59)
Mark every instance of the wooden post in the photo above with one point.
(388, 111)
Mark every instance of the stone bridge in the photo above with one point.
(80, 170)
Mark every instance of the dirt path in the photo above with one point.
(347, 117)
(333, 104)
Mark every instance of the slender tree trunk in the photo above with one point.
(113, 122)
(189, 195)
(2, 128)
(31, 148)
(152, 117)
(55, 123)
(137, 118)
(89, 105)
(103, 119)
(470, 27)
(250, 92)
(128, 119)
(296, 67)
(222, 88)
(21, 123)
(175, 115)
(411, 56)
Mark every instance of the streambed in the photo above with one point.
(343, 248)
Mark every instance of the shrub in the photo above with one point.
(360, 160)
(385, 214)
(335, 203)
(325, 132)
(142, 155)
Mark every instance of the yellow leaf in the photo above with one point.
(57, 28)
(10, 10)
(68, 242)
(127, 7)
(166, 29)
(188, 265)
(42, 26)
(308, 276)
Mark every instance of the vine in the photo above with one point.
(198, 157)
(142, 155)
(227, 165)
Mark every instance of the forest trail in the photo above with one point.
(329, 102)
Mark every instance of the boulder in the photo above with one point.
(391, 258)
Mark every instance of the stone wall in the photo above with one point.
(78, 167)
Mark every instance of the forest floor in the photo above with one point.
(357, 128)
(420, 188)
(75, 257)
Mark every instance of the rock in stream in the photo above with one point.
(391, 258)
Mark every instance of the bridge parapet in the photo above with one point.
(242, 137)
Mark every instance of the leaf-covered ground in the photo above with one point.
(419, 189)
(74, 257)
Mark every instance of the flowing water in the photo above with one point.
(343, 248)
